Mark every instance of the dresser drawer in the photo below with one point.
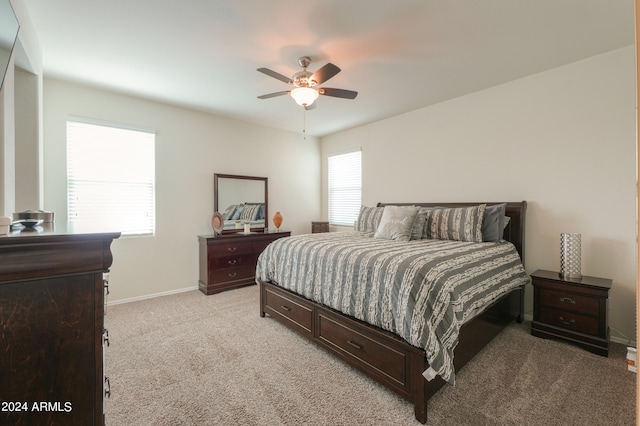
(231, 248)
(231, 274)
(352, 343)
(569, 301)
(233, 261)
(291, 308)
(569, 320)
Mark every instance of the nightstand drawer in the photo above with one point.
(569, 301)
(569, 320)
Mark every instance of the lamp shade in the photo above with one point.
(304, 96)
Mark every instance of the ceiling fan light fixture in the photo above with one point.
(304, 96)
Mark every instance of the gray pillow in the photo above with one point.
(368, 219)
(493, 222)
(418, 225)
(396, 223)
(459, 224)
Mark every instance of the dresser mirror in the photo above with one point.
(241, 200)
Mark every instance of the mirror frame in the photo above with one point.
(216, 206)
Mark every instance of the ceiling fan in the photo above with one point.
(305, 82)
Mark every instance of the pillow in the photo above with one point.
(418, 225)
(396, 223)
(493, 222)
(237, 212)
(368, 219)
(250, 212)
(459, 224)
(229, 212)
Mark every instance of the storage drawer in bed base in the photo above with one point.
(379, 354)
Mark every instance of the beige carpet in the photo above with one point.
(190, 359)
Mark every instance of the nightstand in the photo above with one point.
(317, 227)
(573, 310)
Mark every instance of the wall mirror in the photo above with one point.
(241, 200)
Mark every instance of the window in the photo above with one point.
(110, 178)
(345, 187)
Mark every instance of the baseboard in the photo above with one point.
(614, 339)
(151, 296)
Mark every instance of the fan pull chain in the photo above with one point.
(304, 123)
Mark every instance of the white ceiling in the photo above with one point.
(399, 55)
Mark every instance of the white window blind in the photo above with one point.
(345, 187)
(110, 178)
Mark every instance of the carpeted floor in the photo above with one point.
(190, 359)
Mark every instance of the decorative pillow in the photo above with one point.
(493, 222)
(228, 213)
(369, 219)
(396, 223)
(459, 224)
(237, 212)
(418, 224)
(250, 212)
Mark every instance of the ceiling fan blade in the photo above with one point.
(310, 107)
(273, 95)
(338, 93)
(275, 75)
(325, 73)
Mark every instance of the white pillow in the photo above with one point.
(396, 223)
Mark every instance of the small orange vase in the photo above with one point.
(277, 220)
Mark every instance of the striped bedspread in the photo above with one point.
(421, 290)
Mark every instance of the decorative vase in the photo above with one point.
(277, 220)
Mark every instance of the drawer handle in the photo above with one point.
(232, 274)
(286, 308)
(232, 249)
(571, 321)
(570, 300)
(232, 262)
(355, 345)
(107, 387)
(105, 335)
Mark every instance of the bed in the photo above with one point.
(363, 295)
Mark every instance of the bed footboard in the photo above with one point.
(379, 354)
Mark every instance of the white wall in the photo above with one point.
(564, 140)
(190, 147)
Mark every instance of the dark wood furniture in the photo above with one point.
(573, 310)
(52, 327)
(229, 260)
(317, 227)
(384, 356)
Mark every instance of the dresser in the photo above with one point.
(573, 310)
(52, 332)
(229, 260)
